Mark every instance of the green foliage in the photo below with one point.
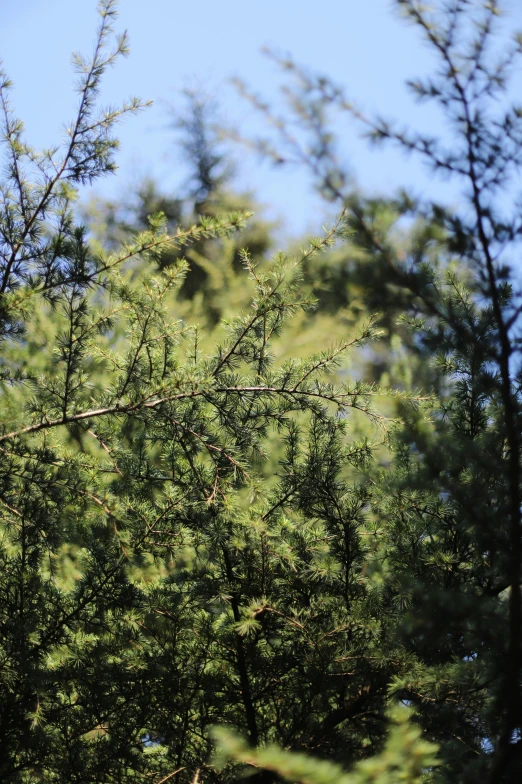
(448, 515)
(213, 286)
(204, 519)
(179, 524)
(405, 757)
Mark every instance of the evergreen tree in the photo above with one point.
(160, 572)
(213, 284)
(193, 530)
(448, 517)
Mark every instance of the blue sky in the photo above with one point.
(361, 44)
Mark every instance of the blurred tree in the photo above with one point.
(201, 146)
(214, 281)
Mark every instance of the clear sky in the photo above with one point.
(360, 43)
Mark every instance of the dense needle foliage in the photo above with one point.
(204, 520)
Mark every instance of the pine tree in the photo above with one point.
(183, 530)
(448, 517)
(213, 284)
(204, 525)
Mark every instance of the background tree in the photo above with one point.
(214, 279)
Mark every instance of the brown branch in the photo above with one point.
(59, 172)
(340, 399)
(166, 778)
(244, 680)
